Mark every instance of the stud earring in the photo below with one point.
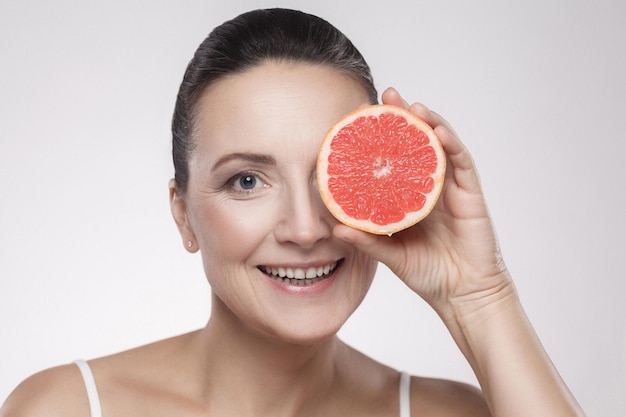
(189, 244)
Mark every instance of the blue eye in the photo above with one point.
(247, 182)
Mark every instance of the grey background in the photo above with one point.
(91, 262)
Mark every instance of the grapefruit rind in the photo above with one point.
(431, 190)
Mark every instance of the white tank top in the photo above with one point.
(96, 410)
(92, 391)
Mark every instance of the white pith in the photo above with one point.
(381, 167)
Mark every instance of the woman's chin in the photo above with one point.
(308, 338)
(303, 330)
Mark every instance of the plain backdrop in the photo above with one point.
(91, 262)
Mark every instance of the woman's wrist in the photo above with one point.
(466, 316)
(474, 305)
(492, 330)
(474, 308)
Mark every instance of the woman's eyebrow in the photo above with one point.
(245, 156)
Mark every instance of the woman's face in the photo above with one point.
(252, 205)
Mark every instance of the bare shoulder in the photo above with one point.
(443, 398)
(61, 391)
(58, 391)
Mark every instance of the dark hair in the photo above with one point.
(247, 41)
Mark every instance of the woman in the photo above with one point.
(255, 101)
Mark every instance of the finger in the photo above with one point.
(434, 119)
(391, 96)
(375, 246)
(461, 165)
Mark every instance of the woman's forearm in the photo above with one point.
(512, 367)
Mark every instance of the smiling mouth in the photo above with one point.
(300, 276)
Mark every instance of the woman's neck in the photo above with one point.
(258, 373)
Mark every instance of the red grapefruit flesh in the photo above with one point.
(380, 169)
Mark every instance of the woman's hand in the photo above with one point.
(451, 258)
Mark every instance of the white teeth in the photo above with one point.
(302, 276)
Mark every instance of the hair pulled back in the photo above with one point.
(247, 41)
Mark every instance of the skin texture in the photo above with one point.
(271, 348)
(281, 220)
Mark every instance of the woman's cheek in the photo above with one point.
(237, 227)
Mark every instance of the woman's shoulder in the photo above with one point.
(61, 391)
(442, 398)
(378, 386)
(58, 391)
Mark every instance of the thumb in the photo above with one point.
(379, 247)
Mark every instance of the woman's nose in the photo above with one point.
(305, 220)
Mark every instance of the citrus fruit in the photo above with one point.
(380, 169)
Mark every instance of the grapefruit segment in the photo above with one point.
(380, 169)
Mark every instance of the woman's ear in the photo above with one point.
(179, 212)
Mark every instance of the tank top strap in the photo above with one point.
(405, 395)
(90, 385)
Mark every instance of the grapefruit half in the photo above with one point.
(380, 169)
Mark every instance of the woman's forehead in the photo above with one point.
(275, 102)
(275, 81)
